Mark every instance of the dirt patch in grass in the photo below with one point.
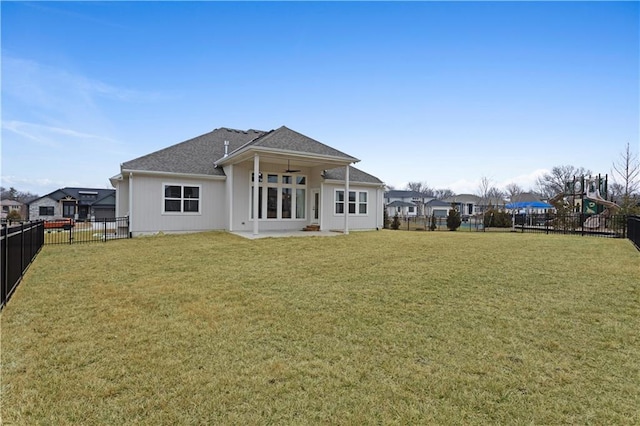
(376, 327)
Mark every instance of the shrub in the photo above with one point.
(14, 215)
(496, 219)
(432, 225)
(453, 219)
(396, 222)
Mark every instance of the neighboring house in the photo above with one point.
(225, 179)
(405, 203)
(12, 205)
(76, 203)
(467, 204)
(403, 209)
(438, 208)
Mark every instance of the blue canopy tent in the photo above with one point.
(529, 205)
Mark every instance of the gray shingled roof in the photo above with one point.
(437, 203)
(355, 175)
(396, 193)
(398, 203)
(289, 140)
(194, 156)
(199, 155)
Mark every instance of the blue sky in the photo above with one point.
(443, 93)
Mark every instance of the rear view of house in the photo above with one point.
(247, 180)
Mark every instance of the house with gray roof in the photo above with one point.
(247, 181)
(436, 207)
(75, 203)
(405, 203)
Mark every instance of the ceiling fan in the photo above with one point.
(289, 170)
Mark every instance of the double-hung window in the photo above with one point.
(181, 198)
(356, 202)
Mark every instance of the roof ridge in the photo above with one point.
(252, 141)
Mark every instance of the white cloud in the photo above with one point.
(52, 136)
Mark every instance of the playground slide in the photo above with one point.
(595, 197)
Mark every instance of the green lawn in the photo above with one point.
(370, 328)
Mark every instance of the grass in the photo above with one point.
(378, 327)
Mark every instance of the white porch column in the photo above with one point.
(346, 200)
(256, 185)
(131, 204)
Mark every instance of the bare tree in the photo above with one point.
(483, 192)
(421, 187)
(553, 183)
(513, 190)
(425, 192)
(627, 171)
(14, 194)
(443, 193)
(495, 196)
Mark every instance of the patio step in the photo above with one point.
(311, 228)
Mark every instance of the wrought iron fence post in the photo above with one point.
(22, 246)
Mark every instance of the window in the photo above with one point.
(362, 202)
(46, 211)
(285, 197)
(357, 202)
(272, 203)
(181, 199)
(300, 202)
(339, 202)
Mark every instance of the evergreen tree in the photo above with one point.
(432, 225)
(453, 218)
(396, 222)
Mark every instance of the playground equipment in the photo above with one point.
(587, 195)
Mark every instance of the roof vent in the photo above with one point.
(226, 148)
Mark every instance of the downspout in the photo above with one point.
(320, 202)
(130, 204)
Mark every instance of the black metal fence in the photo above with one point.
(612, 226)
(89, 231)
(633, 230)
(19, 245)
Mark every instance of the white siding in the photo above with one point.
(122, 198)
(372, 220)
(148, 198)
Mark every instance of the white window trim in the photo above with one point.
(346, 202)
(279, 185)
(181, 213)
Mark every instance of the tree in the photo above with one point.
(627, 172)
(513, 190)
(441, 194)
(553, 183)
(14, 194)
(395, 225)
(488, 193)
(424, 190)
(432, 224)
(453, 218)
(496, 196)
